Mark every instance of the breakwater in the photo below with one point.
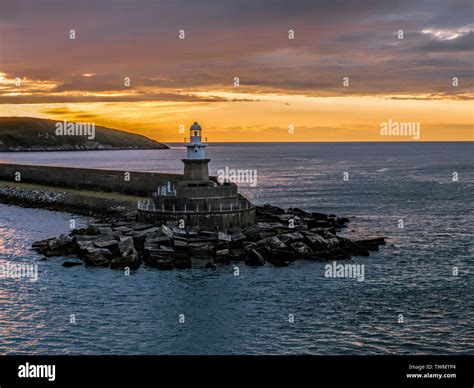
(121, 244)
(119, 181)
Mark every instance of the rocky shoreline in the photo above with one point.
(65, 201)
(279, 237)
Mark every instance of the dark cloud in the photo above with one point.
(224, 39)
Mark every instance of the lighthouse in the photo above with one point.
(196, 169)
(198, 201)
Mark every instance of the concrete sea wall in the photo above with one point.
(139, 183)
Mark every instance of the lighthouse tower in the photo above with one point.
(196, 169)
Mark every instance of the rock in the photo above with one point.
(182, 263)
(102, 251)
(162, 240)
(62, 243)
(84, 237)
(319, 216)
(139, 241)
(96, 259)
(339, 254)
(319, 224)
(210, 266)
(83, 247)
(152, 230)
(221, 236)
(160, 250)
(266, 234)
(297, 211)
(111, 245)
(125, 244)
(93, 228)
(140, 227)
(237, 237)
(267, 208)
(252, 232)
(316, 242)
(332, 243)
(130, 261)
(160, 262)
(370, 244)
(51, 253)
(275, 243)
(254, 258)
(208, 234)
(291, 237)
(42, 243)
(301, 249)
(69, 264)
(281, 257)
(180, 245)
(222, 253)
(221, 245)
(201, 250)
(105, 230)
(181, 233)
(237, 255)
(123, 229)
(165, 231)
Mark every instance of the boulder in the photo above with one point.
(275, 243)
(69, 264)
(178, 232)
(301, 249)
(93, 228)
(316, 242)
(237, 255)
(165, 231)
(61, 244)
(254, 258)
(131, 261)
(210, 266)
(180, 245)
(201, 250)
(41, 243)
(102, 251)
(104, 230)
(84, 237)
(126, 244)
(265, 234)
(182, 262)
(291, 237)
(111, 245)
(221, 236)
(281, 257)
(252, 232)
(96, 259)
(370, 244)
(162, 240)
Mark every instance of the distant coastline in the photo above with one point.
(26, 134)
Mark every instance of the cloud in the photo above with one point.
(225, 39)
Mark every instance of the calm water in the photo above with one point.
(225, 314)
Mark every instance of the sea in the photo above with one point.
(417, 295)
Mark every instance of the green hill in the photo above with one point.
(32, 134)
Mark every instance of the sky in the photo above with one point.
(246, 70)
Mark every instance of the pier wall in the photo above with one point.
(140, 183)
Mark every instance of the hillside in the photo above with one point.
(32, 134)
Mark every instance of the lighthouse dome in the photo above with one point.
(195, 127)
